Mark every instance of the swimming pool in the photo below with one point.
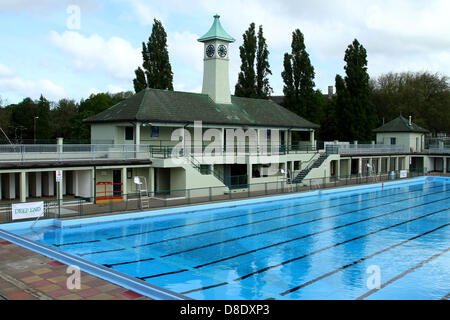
(367, 243)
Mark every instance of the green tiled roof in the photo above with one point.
(154, 105)
(400, 124)
(216, 32)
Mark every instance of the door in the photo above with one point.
(117, 180)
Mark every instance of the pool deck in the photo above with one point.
(26, 275)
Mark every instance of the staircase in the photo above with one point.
(316, 164)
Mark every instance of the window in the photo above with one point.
(393, 140)
(129, 133)
(154, 132)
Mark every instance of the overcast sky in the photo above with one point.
(72, 48)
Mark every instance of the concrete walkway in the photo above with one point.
(26, 275)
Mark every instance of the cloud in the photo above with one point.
(115, 56)
(30, 88)
(5, 71)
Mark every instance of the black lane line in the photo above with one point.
(401, 275)
(264, 220)
(205, 288)
(446, 297)
(286, 227)
(319, 232)
(336, 198)
(71, 243)
(329, 247)
(298, 213)
(276, 229)
(163, 274)
(109, 265)
(98, 252)
(325, 275)
(251, 213)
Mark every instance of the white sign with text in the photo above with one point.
(27, 210)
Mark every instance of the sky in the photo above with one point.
(73, 48)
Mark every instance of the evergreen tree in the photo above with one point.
(156, 71)
(298, 77)
(354, 105)
(263, 88)
(43, 124)
(246, 85)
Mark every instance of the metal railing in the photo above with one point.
(370, 149)
(83, 207)
(68, 152)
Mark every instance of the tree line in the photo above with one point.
(359, 105)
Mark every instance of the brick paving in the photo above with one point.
(26, 275)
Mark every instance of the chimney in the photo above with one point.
(330, 92)
(410, 121)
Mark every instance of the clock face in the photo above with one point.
(222, 50)
(210, 50)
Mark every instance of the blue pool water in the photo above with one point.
(329, 246)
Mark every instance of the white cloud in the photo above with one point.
(115, 56)
(5, 71)
(31, 88)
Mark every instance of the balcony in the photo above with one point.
(353, 149)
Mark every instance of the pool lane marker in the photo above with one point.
(258, 212)
(262, 211)
(276, 218)
(315, 233)
(284, 227)
(326, 248)
(325, 275)
(72, 243)
(272, 230)
(420, 264)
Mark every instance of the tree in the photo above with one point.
(263, 88)
(357, 116)
(156, 71)
(62, 117)
(43, 123)
(253, 79)
(246, 85)
(422, 95)
(298, 77)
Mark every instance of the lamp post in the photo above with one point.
(34, 130)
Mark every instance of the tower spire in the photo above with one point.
(216, 62)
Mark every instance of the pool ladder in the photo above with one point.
(144, 199)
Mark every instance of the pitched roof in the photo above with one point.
(400, 124)
(216, 32)
(154, 105)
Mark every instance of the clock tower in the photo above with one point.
(216, 82)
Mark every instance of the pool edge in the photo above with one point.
(113, 276)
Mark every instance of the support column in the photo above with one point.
(379, 165)
(396, 164)
(349, 167)
(311, 138)
(60, 188)
(23, 186)
(138, 133)
(338, 168)
(11, 186)
(124, 183)
(151, 179)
